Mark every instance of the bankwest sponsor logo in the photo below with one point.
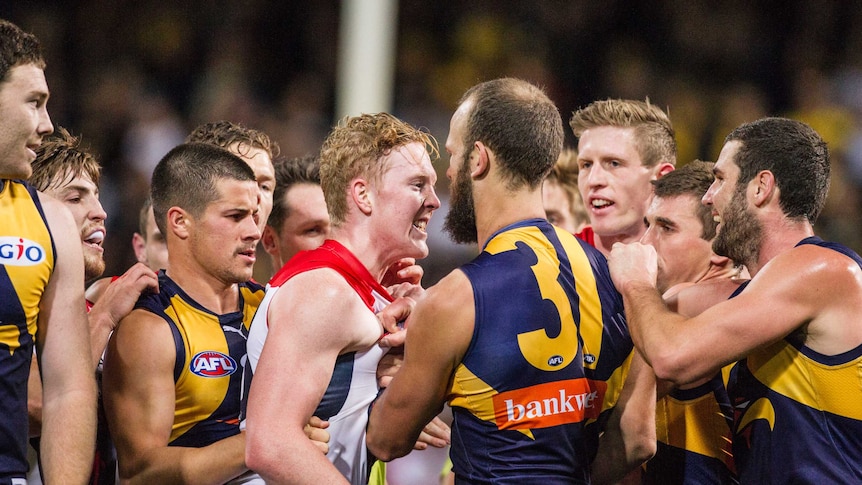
(551, 404)
(17, 251)
(212, 364)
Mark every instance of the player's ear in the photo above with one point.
(360, 191)
(140, 247)
(178, 222)
(268, 239)
(480, 160)
(765, 188)
(663, 169)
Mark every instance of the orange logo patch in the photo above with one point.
(550, 404)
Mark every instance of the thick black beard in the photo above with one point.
(461, 219)
(740, 234)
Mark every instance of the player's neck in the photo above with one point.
(720, 271)
(606, 242)
(205, 288)
(501, 209)
(360, 241)
(778, 237)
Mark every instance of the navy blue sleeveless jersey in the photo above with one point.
(27, 255)
(693, 429)
(210, 351)
(798, 413)
(523, 395)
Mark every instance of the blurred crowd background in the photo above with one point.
(133, 77)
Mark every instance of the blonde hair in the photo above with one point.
(654, 133)
(354, 148)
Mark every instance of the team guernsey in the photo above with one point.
(532, 378)
(210, 350)
(27, 255)
(798, 413)
(693, 429)
(353, 385)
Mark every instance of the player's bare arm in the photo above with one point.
(802, 286)
(116, 301)
(63, 349)
(440, 329)
(314, 318)
(629, 438)
(139, 396)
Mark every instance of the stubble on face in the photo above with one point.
(94, 265)
(461, 219)
(740, 233)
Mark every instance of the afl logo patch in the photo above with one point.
(17, 251)
(212, 364)
(589, 359)
(555, 360)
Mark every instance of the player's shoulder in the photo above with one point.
(143, 330)
(453, 292)
(694, 299)
(322, 281)
(812, 261)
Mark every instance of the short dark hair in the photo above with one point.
(692, 179)
(16, 48)
(795, 154)
(225, 133)
(59, 159)
(290, 172)
(520, 124)
(186, 177)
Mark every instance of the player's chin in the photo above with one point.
(417, 249)
(420, 245)
(241, 275)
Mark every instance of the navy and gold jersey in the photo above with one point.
(798, 413)
(27, 255)
(523, 394)
(210, 351)
(693, 428)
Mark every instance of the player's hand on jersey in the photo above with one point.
(121, 295)
(316, 432)
(392, 318)
(436, 433)
(634, 262)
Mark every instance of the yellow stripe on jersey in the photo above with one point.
(475, 395)
(197, 397)
(696, 425)
(831, 388)
(27, 255)
(536, 346)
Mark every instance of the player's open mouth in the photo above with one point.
(600, 203)
(421, 224)
(95, 238)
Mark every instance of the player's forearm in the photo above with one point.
(101, 326)
(630, 434)
(655, 330)
(69, 433)
(385, 438)
(289, 458)
(213, 464)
